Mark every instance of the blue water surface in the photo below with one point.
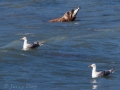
(69, 47)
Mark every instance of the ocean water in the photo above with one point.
(69, 47)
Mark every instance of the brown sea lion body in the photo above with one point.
(68, 16)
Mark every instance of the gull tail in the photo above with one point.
(112, 70)
(40, 43)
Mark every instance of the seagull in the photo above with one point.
(96, 74)
(27, 46)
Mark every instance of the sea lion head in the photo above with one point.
(71, 15)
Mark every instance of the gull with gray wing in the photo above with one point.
(96, 73)
(27, 46)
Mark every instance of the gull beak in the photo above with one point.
(21, 38)
(90, 66)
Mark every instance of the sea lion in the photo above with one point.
(68, 16)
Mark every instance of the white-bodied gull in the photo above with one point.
(27, 46)
(96, 73)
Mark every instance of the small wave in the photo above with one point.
(24, 34)
(53, 39)
(13, 44)
(102, 29)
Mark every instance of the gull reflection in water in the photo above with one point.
(94, 82)
(94, 87)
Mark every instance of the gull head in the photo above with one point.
(92, 66)
(24, 38)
